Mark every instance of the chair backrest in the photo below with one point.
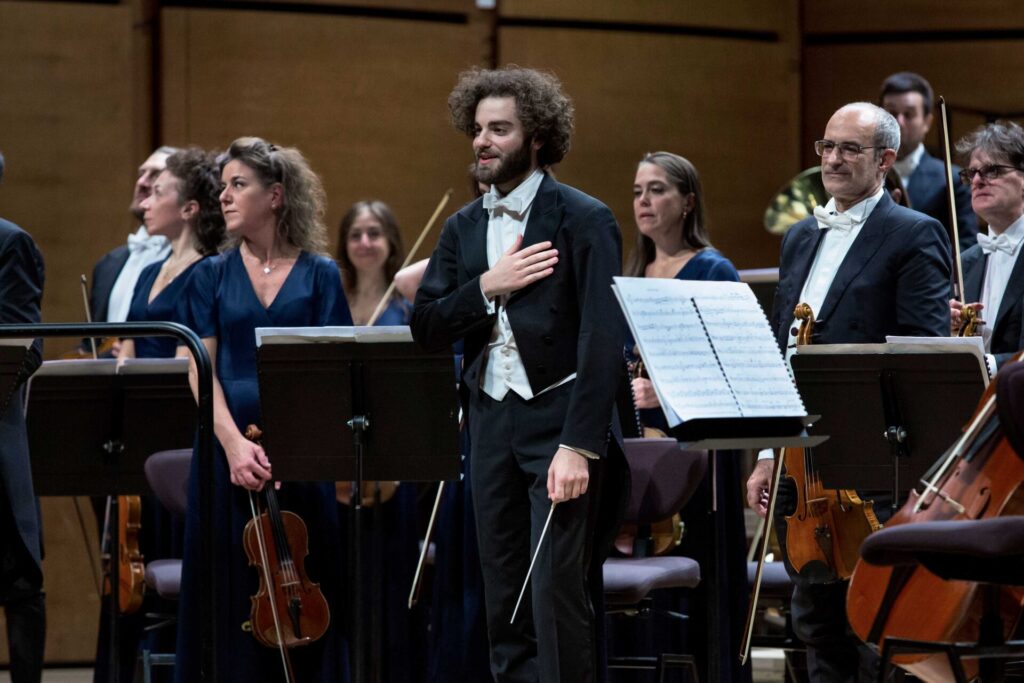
(167, 474)
(663, 478)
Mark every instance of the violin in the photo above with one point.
(664, 535)
(131, 569)
(824, 533)
(980, 476)
(288, 610)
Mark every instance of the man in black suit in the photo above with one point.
(909, 98)
(868, 268)
(21, 572)
(115, 274)
(993, 269)
(524, 276)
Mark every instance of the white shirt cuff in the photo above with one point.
(765, 454)
(488, 304)
(582, 451)
(990, 361)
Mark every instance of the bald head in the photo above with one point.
(861, 142)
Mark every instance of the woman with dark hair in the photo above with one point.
(672, 242)
(370, 252)
(273, 274)
(184, 207)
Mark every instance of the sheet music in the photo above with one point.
(674, 347)
(359, 334)
(748, 353)
(708, 348)
(18, 341)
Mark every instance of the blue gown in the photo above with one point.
(161, 535)
(222, 303)
(707, 264)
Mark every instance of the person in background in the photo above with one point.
(370, 251)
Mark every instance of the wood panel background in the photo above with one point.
(637, 93)
(738, 15)
(363, 98)
(918, 16)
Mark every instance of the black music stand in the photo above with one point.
(353, 410)
(891, 409)
(108, 413)
(734, 434)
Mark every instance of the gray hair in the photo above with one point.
(887, 129)
(1, 165)
(1002, 140)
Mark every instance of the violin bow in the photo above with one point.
(748, 629)
(533, 561)
(408, 258)
(414, 592)
(951, 199)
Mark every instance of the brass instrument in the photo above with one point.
(795, 201)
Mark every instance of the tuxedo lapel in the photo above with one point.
(974, 276)
(545, 214)
(473, 236)
(1012, 295)
(863, 248)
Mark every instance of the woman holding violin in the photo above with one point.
(273, 274)
(672, 242)
(184, 207)
(992, 269)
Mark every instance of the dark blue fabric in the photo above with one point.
(398, 312)
(1006, 324)
(162, 534)
(163, 307)
(652, 636)
(926, 191)
(223, 305)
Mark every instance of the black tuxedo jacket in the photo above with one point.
(927, 193)
(104, 275)
(1007, 324)
(894, 280)
(568, 322)
(21, 291)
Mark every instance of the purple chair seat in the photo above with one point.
(164, 576)
(775, 582)
(987, 550)
(628, 581)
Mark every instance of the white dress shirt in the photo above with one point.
(908, 164)
(144, 249)
(998, 267)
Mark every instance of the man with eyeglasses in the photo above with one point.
(909, 98)
(993, 270)
(868, 268)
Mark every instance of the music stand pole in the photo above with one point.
(205, 451)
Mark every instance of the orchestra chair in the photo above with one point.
(167, 474)
(663, 478)
(987, 551)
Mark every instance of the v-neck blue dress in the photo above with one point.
(222, 303)
(166, 306)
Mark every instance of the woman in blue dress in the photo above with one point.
(184, 207)
(273, 274)
(370, 252)
(672, 242)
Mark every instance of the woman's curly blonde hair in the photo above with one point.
(300, 219)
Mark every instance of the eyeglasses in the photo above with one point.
(987, 173)
(849, 151)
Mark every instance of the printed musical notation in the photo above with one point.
(708, 348)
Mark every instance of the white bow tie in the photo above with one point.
(839, 221)
(998, 243)
(509, 205)
(137, 243)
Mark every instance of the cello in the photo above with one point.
(980, 476)
(288, 610)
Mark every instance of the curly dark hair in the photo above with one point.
(300, 220)
(544, 110)
(683, 175)
(198, 176)
(389, 224)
